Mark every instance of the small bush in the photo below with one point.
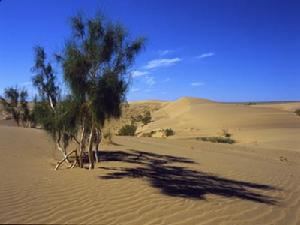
(297, 111)
(226, 140)
(145, 119)
(127, 130)
(169, 132)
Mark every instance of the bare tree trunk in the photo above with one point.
(81, 147)
(61, 149)
(90, 148)
(98, 140)
(64, 159)
(51, 103)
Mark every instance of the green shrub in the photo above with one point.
(127, 130)
(297, 111)
(169, 132)
(145, 119)
(226, 140)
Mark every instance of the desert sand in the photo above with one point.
(174, 180)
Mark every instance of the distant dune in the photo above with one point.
(263, 123)
(174, 180)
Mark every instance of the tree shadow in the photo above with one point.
(179, 181)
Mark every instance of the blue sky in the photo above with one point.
(225, 50)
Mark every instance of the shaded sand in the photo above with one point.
(178, 180)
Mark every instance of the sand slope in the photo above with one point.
(163, 181)
(264, 124)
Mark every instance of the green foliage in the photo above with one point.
(226, 140)
(10, 103)
(297, 111)
(127, 130)
(15, 103)
(62, 123)
(57, 115)
(145, 118)
(95, 61)
(44, 79)
(169, 132)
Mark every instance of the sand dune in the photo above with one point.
(259, 124)
(163, 181)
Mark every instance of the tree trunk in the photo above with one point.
(61, 149)
(51, 103)
(81, 148)
(90, 148)
(64, 159)
(98, 140)
(96, 153)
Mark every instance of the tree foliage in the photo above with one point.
(15, 103)
(95, 62)
(57, 115)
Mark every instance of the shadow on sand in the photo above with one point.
(179, 181)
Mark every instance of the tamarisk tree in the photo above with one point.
(95, 64)
(56, 115)
(15, 103)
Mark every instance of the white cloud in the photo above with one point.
(135, 89)
(205, 55)
(138, 73)
(196, 84)
(150, 81)
(162, 63)
(164, 52)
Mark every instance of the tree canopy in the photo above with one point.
(95, 64)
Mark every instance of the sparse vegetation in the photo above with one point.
(127, 130)
(297, 111)
(144, 119)
(169, 132)
(16, 105)
(94, 63)
(226, 140)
